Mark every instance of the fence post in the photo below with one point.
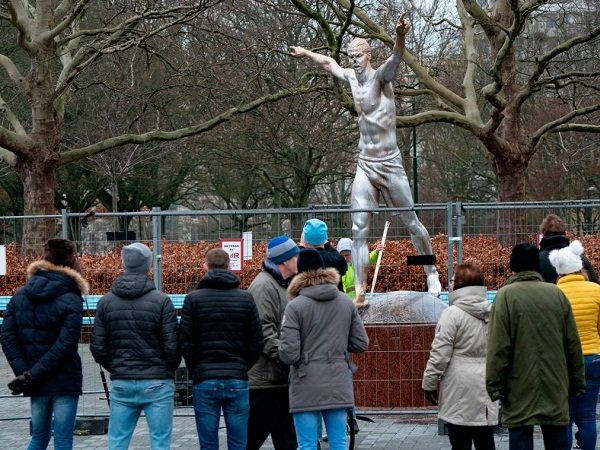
(450, 242)
(156, 241)
(459, 232)
(65, 223)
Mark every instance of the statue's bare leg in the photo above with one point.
(363, 196)
(360, 256)
(396, 192)
(422, 243)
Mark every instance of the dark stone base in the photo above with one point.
(390, 372)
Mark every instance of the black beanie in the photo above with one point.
(309, 259)
(525, 257)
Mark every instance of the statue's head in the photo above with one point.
(359, 53)
(360, 44)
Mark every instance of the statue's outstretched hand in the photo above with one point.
(298, 52)
(402, 26)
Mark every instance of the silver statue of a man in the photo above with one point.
(379, 171)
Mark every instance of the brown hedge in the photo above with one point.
(182, 264)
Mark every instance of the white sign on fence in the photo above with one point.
(2, 260)
(235, 250)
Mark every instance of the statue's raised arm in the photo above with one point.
(390, 67)
(322, 61)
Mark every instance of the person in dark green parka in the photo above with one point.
(534, 358)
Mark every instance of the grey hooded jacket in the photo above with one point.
(321, 327)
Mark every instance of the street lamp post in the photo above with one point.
(591, 192)
(414, 158)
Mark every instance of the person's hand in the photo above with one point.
(18, 385)
(379, 247)
(402, 26)
(431, 397)
(297, 52)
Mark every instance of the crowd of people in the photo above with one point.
(275, 359)
(530, 358)
(265, 358)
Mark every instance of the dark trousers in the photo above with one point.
(521, 438)
(464, 437)
(270, 414)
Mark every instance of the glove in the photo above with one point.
(19, 384)
(431, 397)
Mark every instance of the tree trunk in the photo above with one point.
(38, 186)
(511, 175)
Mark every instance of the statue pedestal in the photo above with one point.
(401, 327)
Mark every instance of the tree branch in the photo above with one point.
(158, 135)
(580, 127)
(468, 25)
(12, 118)
(434, 116)
(561, 121)
(90, 53)
(21, 20)
(565, 46)
(562, 76)
(12, 71)
(67, 21)
(8, 157)
(18, 144)
(544, 60)
(481, 17)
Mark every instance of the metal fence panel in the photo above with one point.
(458, 230)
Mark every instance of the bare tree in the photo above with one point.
(59, 44)
(510, 95)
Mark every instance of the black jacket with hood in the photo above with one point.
(41, 329)
(556, 242)
(221, 334)
(135, 331)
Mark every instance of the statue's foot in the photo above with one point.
(361, 301)
(433, 284)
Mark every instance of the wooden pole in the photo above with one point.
(385, 230)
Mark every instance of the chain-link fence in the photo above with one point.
(180, 238)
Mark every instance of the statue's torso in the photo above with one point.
(374, 102)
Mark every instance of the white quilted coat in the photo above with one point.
(457, 360)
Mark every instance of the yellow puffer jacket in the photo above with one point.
(584, 297)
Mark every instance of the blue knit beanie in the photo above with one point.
(280, 249)
(315, 232)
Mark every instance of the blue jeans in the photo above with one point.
(64, 409)
(335, 423)
(128, 398)
(320, 426)
(232, 396)
(582, 409)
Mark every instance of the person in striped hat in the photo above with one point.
(269, 397)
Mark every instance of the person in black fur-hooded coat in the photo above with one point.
(40, 335)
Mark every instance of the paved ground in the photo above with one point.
(417, 432)
(388, 431)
